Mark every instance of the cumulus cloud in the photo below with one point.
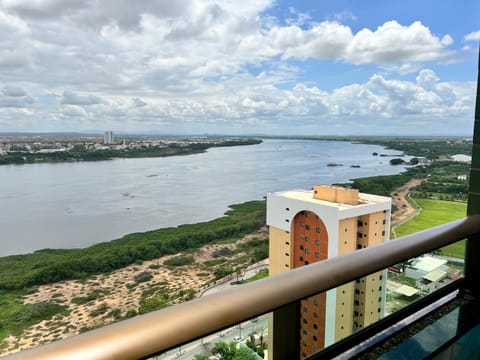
(473, 36)
(14, 96)
(72, 98)
(72, 111)
(197, 62)
(13, 90)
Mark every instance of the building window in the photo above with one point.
(317, 242)
(359, 234)
(357, 291)
(305, 310)
(301, 247)
(304, 332)
(359, 246)
(307, 227)
(315, 326)
(307, 251)
(356, 302)
(287, 254)
(306, 262)
(301, 258)
(383, 233)
(305, 321)
(380, 299)
(355, 313)
(359, 223)
(307, 239)
(317, 229)
(317, 254)
(379, 310)
(287, 243)
(286, 220)
(318, 217)
(314, 338)
(307, 215)
(315, 314)
(301, 236)
(384, 221)
(315, 302)
(287, 209)
(302, 224)
(286, 265)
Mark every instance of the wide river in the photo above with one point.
(67, 205)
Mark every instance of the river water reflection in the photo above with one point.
(69, 205)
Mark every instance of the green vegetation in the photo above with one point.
(230, 351)
(259, 247)
(78, 153)
(260, 275)
(179, 261)
(16, 317)
(50, 265)
(440, 177)
(143, 277)
(94, 295)
(436, 212)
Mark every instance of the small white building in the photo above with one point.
(425, 266)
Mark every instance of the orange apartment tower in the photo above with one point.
(314, 225)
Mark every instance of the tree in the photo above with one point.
(230, 351)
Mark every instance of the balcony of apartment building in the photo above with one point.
(443, 324)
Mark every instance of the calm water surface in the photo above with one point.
(69, 205)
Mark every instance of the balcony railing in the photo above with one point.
(162, 330)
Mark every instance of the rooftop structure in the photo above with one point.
(327, 221)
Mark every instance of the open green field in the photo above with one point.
(436, 212)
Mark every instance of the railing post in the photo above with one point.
(472, 252)
(284, 340)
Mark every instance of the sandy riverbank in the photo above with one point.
(117, 293)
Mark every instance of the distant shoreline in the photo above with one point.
(22, 157)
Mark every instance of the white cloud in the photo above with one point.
(145, 64)
(72, 111)
(13, 90)
(473, 36)
(393, 42)
(72, 98)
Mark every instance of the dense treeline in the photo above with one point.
(80, 154)
(440, 177)
(432, 148)
(49, 265)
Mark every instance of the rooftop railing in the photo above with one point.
(156, 332)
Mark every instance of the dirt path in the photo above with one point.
(399, 198)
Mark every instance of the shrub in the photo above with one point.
(143, 277)
(179, 261)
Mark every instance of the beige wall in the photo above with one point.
(344, 311)
(280, 247)
(335, 194)
(368, 300)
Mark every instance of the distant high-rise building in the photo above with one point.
(310, 226)
(108, 137)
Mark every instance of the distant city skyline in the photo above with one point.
(251, 67)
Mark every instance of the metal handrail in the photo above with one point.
(161, 330)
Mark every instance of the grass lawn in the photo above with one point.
(436, 212)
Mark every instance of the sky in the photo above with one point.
(336, 67)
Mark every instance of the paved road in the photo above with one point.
(203, 346)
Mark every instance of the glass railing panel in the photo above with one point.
(249, 338)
